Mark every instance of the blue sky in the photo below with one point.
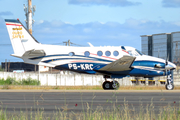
(100, 22)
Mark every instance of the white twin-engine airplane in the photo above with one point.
(111, 62)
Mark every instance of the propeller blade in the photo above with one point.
(166, 65)
(167, 59)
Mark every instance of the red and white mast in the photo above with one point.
(29, 13)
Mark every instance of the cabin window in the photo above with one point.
(115, 53)
(107, 53)
(99, 53)
(87, 53)
(71, 54)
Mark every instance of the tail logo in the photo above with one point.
(17, 33)
(20, 28)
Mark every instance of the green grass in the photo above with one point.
(99, 87)
(1, 68)
(123, 112)
(13, 81)
(29, 83)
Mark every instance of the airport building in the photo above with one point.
(164, 45)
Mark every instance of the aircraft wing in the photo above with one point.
(121, 64)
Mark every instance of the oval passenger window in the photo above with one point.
(115, 53)
(71, 54)
(87, 53)
(107, 53)
(99, 53)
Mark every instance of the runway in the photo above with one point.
(81, 100)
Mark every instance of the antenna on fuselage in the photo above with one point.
(90, 44)
(68, 43)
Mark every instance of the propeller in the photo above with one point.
(167, 58)
(167, 67)
(166, 63)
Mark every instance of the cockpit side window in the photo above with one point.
(130, 53)
(134, 53)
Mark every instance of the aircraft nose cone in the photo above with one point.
(170, 66)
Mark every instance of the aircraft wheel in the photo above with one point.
(106, 85)
(115, 86)
(169, 86)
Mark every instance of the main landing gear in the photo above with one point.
(107, 85)
(169, 85)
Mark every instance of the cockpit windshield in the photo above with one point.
(135, 52)
(139, 52)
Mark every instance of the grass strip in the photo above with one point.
(123, 112)
(35, 87)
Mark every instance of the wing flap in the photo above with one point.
(121, 64)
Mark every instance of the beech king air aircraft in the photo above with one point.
(111, 62)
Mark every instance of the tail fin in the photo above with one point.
(21, 39)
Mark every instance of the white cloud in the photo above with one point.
(6, 13)
(87, 30)
(56, 23)
(96, 32)
(171, 3)
(111, 3)
(40, 22)
(108, 34)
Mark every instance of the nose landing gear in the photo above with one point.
(169, 85)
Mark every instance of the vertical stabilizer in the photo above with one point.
(21, 39)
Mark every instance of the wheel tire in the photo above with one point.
(106, 85)
(169, 86)
(116, 86)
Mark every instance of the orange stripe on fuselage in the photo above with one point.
(86, 61)
(104, 56)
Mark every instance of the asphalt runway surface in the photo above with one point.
(78, 101)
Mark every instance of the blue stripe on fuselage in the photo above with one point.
(79, 67)
(146, 72)
(147, 63)
(74, 57)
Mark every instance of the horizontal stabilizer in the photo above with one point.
(39, 63)
(16, 55)
(46, 64)
(34, 53)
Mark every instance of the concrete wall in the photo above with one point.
(176, 77)
(69, 79)
(64, 79)
(57, 79)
